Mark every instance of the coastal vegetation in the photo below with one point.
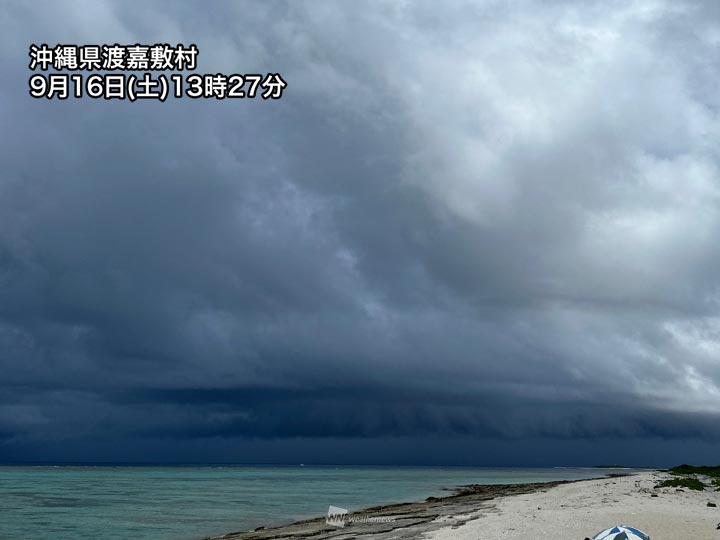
(687, 476)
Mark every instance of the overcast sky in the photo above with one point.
(482, 232)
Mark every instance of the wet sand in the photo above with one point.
(564, 509)
(584, 509)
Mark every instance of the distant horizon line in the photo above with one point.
(37, 463)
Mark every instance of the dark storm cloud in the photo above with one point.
(490, 221)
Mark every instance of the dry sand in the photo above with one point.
(574, 511)
(558, 510)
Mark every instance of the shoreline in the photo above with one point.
(406, 519)
(568, 509)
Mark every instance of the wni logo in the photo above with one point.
(336, 516)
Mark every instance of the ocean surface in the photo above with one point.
(184, 503)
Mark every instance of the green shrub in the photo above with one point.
(712, 472)
(690, 483)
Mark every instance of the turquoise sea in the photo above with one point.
(184, 503)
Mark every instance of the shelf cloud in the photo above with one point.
(488, 221)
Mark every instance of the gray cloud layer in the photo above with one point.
(495, 220)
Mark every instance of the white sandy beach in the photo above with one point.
(564, 511)
(580, 510)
